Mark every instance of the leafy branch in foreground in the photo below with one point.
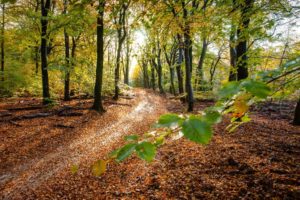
(235, 99)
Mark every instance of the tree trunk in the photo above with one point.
(199, 74)
(153, 77)
(117, 72)
(45, 8)
(36, 48)
(188, 75)
(233, 70)
(173, 91)
(171, 61)
(241, 48)
(188, 59)
(67, 58)
(178, 66)
(121, 33)
(145, 75)
(297, 114)
(159, 72)
(2, 40)
(100, 56)
(126, 74)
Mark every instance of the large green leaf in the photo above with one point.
(131, 137)
(168, 120)
(197, 130)
(146, 151)
(212, 117)
(125, 151)
(257, 88)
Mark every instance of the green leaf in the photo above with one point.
(99, 167)
(159, 140)
(212, 117)
(197, 130)
(146, 151)
(131, 137)
(246, 118)
(168, 120)
(125, 151)
(229, 89)
(257, 88)
(114, 153)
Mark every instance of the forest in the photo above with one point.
(150, 99)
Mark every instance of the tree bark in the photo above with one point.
(241, 48)
(178, 66)
(45, 8)
(199, 74)
(36, 48)
(121, 33)
(145, 74)
(2, 40)
(100, 56)
(126, 74)
(67, 58)
(159, 71)
(171, 61)
(153, 77)
(188, 59)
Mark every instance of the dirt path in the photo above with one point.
(92, 141)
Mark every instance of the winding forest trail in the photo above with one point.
(88, 143)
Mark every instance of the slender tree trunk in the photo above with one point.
(241, 48)
(117, 71)
(213, 70)
(145, 75)
(100, 56)
(178, 66)
(121, 32)
(153, 77)
(67, 58)
(2, 41)
(199, 74)
(233, 70)
(159, 72)
(126, 74)
(173, 91)
(188, 75)
(297, 114)
(171, 61)
(45, 8)
(36, 48)
(188, 59)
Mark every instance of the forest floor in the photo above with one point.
(260, 160)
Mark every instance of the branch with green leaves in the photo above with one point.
(235, 99)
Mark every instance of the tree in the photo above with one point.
(2, 39)
(127, 57)
(120, 20)
(188, 53)
(45, 9)
(100, 56)
(242, 37)
(67, 58)
(156, 62)
(170, 59)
